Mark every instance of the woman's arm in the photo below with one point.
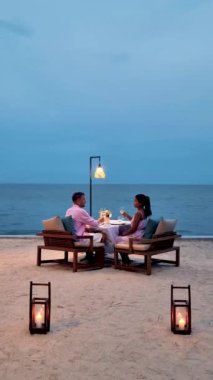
(126, 215)
(134, 227)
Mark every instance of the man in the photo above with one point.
(83, 220)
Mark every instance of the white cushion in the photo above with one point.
(54, 224)
(136, 247)
(86, 243)
(165, 225)
(141, 247)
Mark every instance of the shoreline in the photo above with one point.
(183, 237)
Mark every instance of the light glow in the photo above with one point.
(39, 317)
(99, 172)
(181, 320)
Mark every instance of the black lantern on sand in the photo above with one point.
(39, 310)
(181, 312)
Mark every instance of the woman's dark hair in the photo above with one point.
(76, 196)
(144, 200)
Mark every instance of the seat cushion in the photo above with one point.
(69, 224)
(136, 247)
(150, 228)
(165, 225)
(86, 243)
(54, 224)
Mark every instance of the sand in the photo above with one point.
(106, 324)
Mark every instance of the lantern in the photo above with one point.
(39, 310)
(181, 312)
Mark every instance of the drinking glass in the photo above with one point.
(122, 210)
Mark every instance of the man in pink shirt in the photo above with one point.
(83, 220)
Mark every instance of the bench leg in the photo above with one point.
(99, 257)
(66, 257)
(115, 259)
(38, 256)
(177, 257)
(148, 265)
(75, 261)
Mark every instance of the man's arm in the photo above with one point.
(85, 218)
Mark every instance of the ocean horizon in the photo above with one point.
(24, 206)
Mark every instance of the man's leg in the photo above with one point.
(97, 238)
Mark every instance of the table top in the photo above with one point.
(116, 222)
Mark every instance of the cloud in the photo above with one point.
(15, 28)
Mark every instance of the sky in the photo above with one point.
(131, 81)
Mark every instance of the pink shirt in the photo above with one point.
(81, 219)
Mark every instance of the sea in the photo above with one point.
(24, 206)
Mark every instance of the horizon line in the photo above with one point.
(105, 184)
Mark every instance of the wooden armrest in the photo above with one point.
(56, 234)
(151, 241)
(85, 237)
(90, 237)
(93, 229)
(139, 241)
(65, 235)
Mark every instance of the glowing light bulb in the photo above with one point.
(99, 172)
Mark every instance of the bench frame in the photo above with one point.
(64, 241)
(158, 244)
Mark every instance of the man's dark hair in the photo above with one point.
(76, 196)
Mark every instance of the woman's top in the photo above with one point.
(137, 234)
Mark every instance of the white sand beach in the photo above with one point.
(105, 324)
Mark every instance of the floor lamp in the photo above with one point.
(99, 174)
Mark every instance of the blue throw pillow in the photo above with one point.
(150, 228)
(69, 224)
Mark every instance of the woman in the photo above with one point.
(138, 222)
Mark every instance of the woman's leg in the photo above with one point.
(125, 258)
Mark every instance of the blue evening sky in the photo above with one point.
(131, 81)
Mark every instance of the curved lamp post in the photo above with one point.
(98, 174)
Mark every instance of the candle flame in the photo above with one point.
(181, 321)
(39, 318)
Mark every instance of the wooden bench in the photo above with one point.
(148, 248)
(64, 241)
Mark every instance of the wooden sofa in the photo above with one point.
(64, 241)
(148, 248)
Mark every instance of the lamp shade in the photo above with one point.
(99, 172)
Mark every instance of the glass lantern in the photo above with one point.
(181, 312)
(39, 310)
